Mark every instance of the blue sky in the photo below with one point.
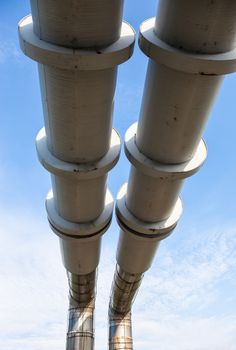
(187, 300)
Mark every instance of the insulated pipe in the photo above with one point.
(125, 286)
(174, 112)
(77, 23)
(191, 45)
(77, 130)
(202, 26)
(81, 308)
(72, 182)
(78, 46)
(120, 331)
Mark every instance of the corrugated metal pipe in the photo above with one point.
(78, 46)
(190, 45)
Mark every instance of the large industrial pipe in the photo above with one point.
(83, 23)
(191, 45)
(78, 46)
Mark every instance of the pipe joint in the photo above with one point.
(75, 59)
(79, 189)
(158, 170)
(153, 187)
(141, 229)
(78, 171)
(80, 242)
(180, 60)
(140, 239)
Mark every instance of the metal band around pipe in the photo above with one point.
(75, 59)
(159, 51)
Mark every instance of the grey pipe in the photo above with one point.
(78, 45)
(190, 45)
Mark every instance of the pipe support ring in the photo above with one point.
(75, 59)
(82, 171)
(143, 229)
(203, 64)
(72, 230)
(80, 243)
(161, 170)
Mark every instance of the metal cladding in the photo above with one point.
(80, 333)
(120, 331)
(78, 46)
(190, 45)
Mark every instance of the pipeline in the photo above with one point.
(80, 333)
(190, 45)
(124, 289)
(78, 46)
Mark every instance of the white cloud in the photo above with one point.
(185, 333)
(176, 308)
(9, 51)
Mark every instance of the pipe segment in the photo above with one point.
(78, 46)
(79, 189)
(77, 23)
(139, 239)
(70, 79)
(153, 185)
(80, 242)
(190, 45)
(82, 292)
(125, 289)
(197, 26)
(120, 331)
(125, 286)
(179, 91)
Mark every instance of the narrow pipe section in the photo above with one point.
(80, 333)
(120, 331)
(124, 288)
(190, 45)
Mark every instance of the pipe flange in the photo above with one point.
(78, 171)
(75, 59)
(86, 230)
(160, 170)
(203, 64)
(158, 230)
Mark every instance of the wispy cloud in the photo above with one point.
(178, 306)
(8, 51)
